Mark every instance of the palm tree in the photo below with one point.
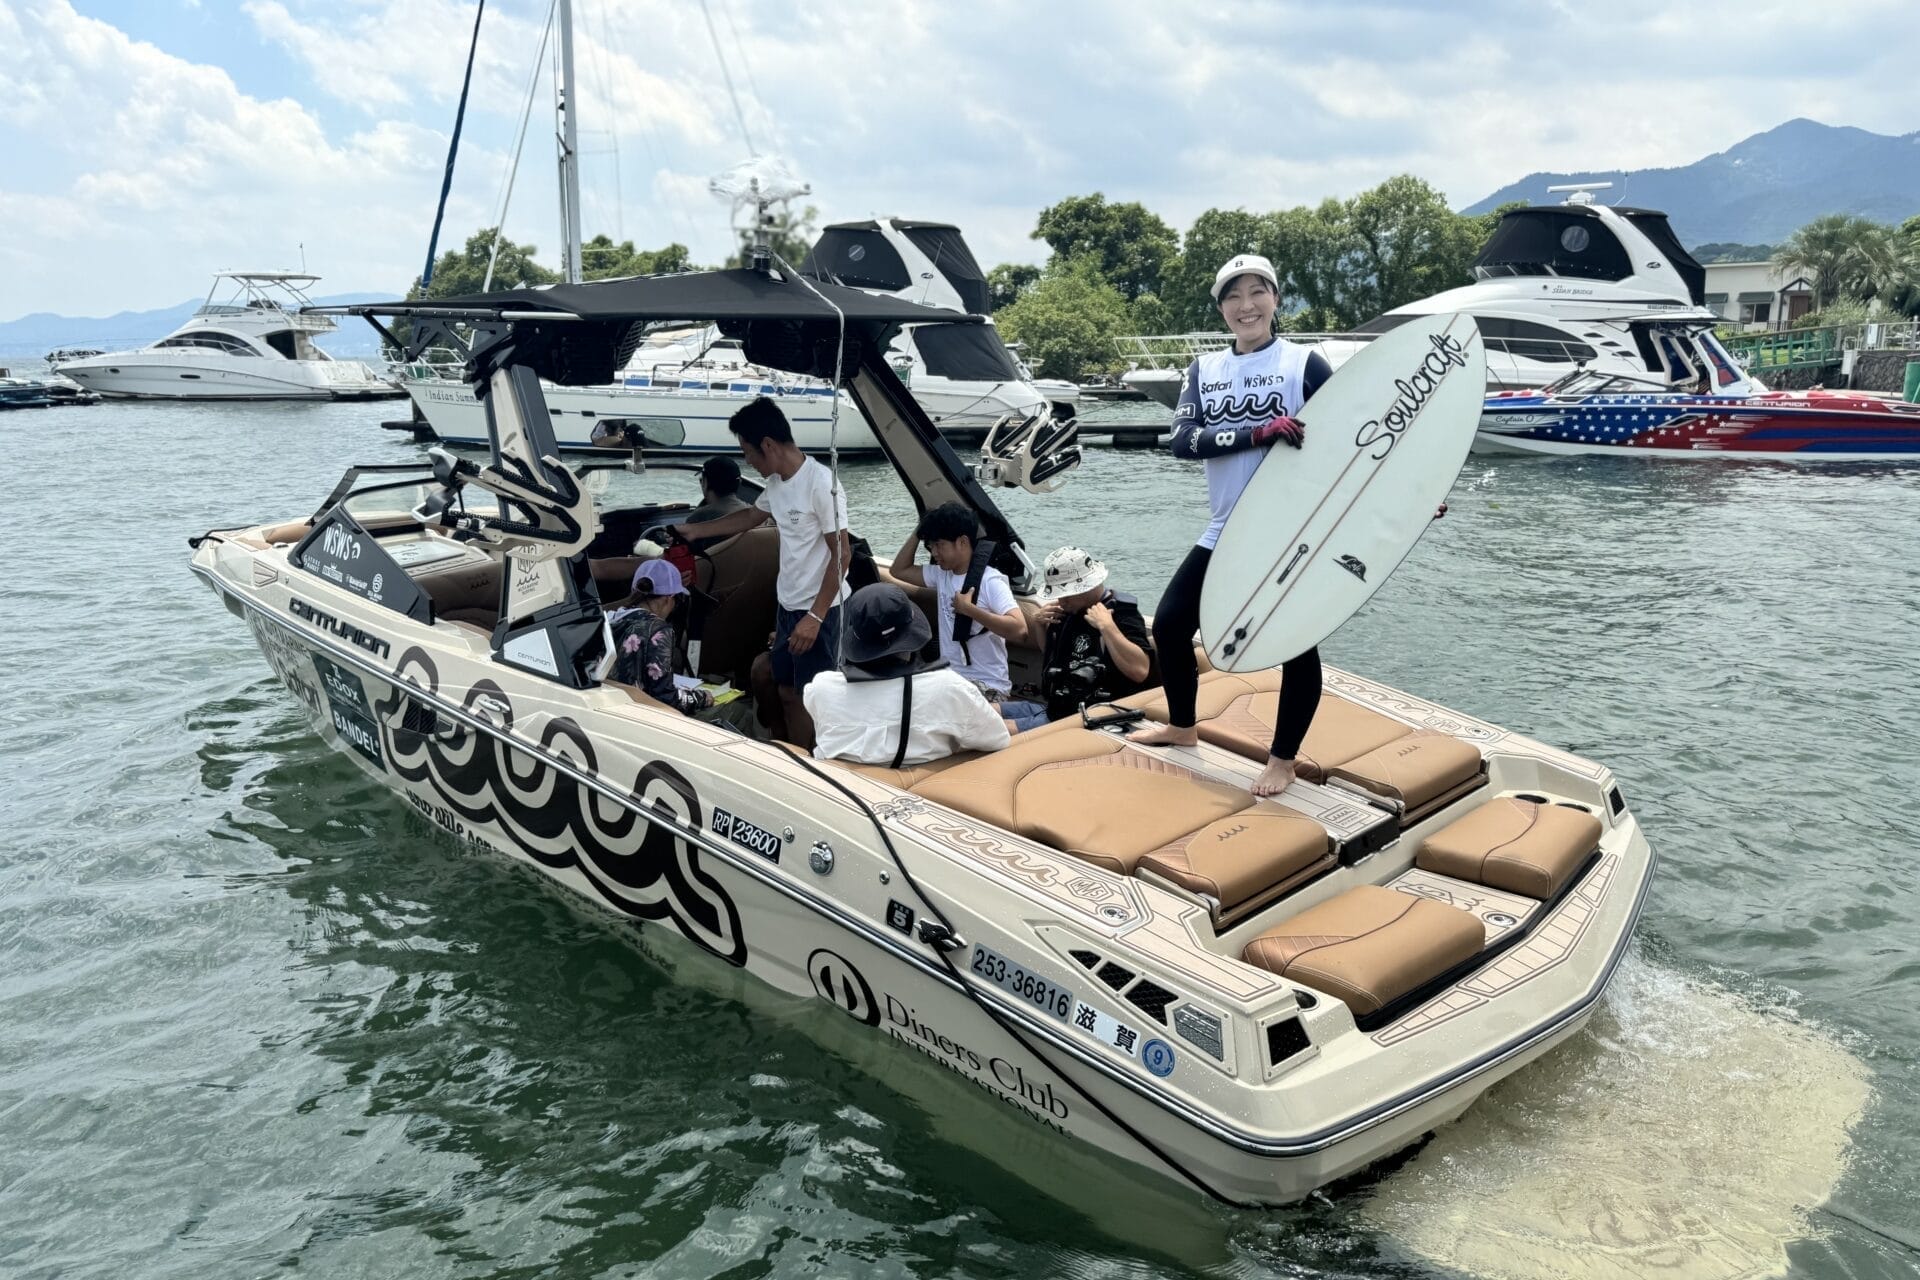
(1847, 256)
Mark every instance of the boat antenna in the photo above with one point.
(453, 150)
(519, 139)
(759, 183)
(727, 76)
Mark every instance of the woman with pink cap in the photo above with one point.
(1238, 402)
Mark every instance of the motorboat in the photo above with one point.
(1557, 287)
(1576, 283)
(250, 340)
(1591, 411)
(52, 391)
(697, 381)
(1121, 945)
(964, 375)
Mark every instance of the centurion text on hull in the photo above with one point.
(1251, 997)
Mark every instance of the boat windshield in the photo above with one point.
(1600, 382)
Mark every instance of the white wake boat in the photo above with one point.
(251, 342)
(1122, 945)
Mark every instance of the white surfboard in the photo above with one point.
(1319, 528)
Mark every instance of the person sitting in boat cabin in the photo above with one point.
(889, 706)
(719, 494)
(1092, 640)
(643, 637)
(1238, 403)
(950, 531)
(809, 510)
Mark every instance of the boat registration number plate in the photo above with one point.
(746, 835)
(1023, 983)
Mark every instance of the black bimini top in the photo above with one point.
(582, 334)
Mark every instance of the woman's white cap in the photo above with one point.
(1069, 571)
(1246, 264)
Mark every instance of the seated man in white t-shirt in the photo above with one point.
(889, 707)
(991, 614)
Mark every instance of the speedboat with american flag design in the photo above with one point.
(1591, 411)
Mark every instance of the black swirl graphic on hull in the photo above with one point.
(638, 867)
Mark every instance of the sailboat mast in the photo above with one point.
(565, 109)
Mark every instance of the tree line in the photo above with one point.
(1860, 269)
(1118, 268)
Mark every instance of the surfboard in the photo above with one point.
(1320, 528)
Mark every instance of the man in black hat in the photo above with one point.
(889, 706)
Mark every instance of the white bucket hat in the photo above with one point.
(1245, 264)
(1069, 571)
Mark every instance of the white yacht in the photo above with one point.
(962, 374)
(696, 378)
(248, 341)
(1556, 287)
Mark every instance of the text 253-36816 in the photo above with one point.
(1029, 986)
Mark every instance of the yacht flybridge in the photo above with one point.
(1251, 997)
(252, 340)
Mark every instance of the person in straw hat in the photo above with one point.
(888, 705)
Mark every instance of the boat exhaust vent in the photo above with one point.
(1151, 999)
(1114, 976)
(1086, 959)
(1616, 802)
(1284, 1039)
(420, 719)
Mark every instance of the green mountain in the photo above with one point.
(1763, 189)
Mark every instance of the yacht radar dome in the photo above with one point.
(1582, 191)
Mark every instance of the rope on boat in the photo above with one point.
(931, 908)
(513, 169)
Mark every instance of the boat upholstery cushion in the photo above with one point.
(1259, 853)
(1237, 711)
(1416, 772)
(1520, 846)
(1120, 807)
(904, 778)
(1369, 945)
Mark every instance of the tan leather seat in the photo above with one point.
(1237, 711)
(1517, 845)
(1122, 808)
(1417, 773)
(1369, 946)
(905, 778)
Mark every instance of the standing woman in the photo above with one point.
(1237, 403)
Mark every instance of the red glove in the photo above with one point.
(1288, 431)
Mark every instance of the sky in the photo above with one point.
(146, 144)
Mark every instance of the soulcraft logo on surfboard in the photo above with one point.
(1318, 529)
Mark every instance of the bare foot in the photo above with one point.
(1275, 778)
(1166, 735)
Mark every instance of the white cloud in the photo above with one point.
(981, 114)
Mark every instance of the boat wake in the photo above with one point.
(1685, 1135)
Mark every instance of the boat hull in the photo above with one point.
(142, 376)
(626, 805)
(1781, 426)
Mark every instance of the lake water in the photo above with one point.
(254, 1018)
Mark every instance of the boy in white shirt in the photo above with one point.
(809, 509)
(993, 616)
(888, 706)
